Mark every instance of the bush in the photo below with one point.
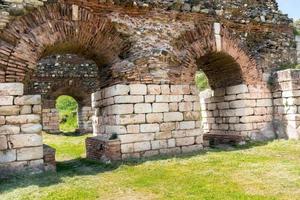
(67, 108)
(201, 81)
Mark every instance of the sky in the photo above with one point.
(290, 7)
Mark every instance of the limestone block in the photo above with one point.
(173, 107)
(133, 128)
(219, 92)
(260, 111)
(28, 100)
(25, 110)
(165, 89)
(96, 96)
(196, 106)
(150, 153)
(160, 107)
(211, 106)
(138, 89)
(227, 113)
(129, 138)
(131, 119)
(173, 116)
(127, 148)
(253, 119)
(11, 89)
(186, 141)
(32, 153)
(159, 144)
(154, 117)
(237, 89)
(264, 103)
(230, 97)
(167, 126)
(191, 98)
(244, 111)
(242, 103)
(3, 142)
(9, 110)
(150, 98)
(163, 135)
(149, 128)
(120, 109)
(142, 108)
(129, 99)
(185, 106)
(171, 143)
(170, 151)
(31, 128)
(25, 140)
(9, 129)
(223, 105)
(6, 100)
(180, 89)
(2, 120)
(23, 119)
(162, 98)
(176, 98)
(191, 116)
(187, 125)
(154, 89)
(115, 129)
(142, 146)
(243, 127)
(116, 90)
(8, 156)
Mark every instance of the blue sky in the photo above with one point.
(290, 7)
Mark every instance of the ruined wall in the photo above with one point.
(298, 48)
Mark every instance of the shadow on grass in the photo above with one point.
(84, 167)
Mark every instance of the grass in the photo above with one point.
(266, 171)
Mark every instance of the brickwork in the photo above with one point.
(50, 119)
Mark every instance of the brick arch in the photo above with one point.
(198, 49)
(52, 29)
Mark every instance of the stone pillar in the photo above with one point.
(238, 110)
(85, 117)
(50, 120)
(21, 145)
(149, 119)
(298, 48)
(286, 95)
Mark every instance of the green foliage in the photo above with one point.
(201, 81)
(67, 108)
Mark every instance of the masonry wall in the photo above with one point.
(21, 144)
(50, 120)
(149, 119)
(298, 48)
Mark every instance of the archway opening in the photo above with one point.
(67, 108)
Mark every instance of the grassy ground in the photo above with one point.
(269, 171)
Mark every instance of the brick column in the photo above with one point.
(149, 119)
(239, 110)
(286, 95)
(21, 145)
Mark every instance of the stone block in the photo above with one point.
(150, 98)
(25, 140)
(154, 118)
(173, 107)
(133, 128)
(180, 89)
(242, 103)
(138, 89)
(191, 116)
(160, 107)
(163, 135)
(131, 119)
(120, 109)
(96, 96)
(23, 119)
(3, 142)
(187, 125)
(31, 128)
(130, 138)
(142, 108)
(115, 129)
(167, 126)
(170, 151)
(116, 90)
(191, 98)
(162, 98)
(264, 103)
(6, 100)
(28, 100)
(9, 110)
(186, 141)
(154, 89)
(9, 130)
(159, 144)
(243, 127)
(149, 128)
(127, 148)
(11, 89)
(238, 89)
(173, 116)
(25, 110)
(185, 106)
(142, 146)
(244, 111)
(193, 148)
(176, 98)
(171, 143)
(219, 92)
(165, 89)
(129, 99)
(8, 156)
(32, 153)
(223, 105)
(2, 120)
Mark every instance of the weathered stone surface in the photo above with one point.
(6, 100)
(237, 89)
(129, 99)
(116, 90)
(25, 140)
(31, 128)
(154, 118)
(142, 146)
(23, 119)
(173, 116)
(160, 107)
(185, 141)
(28, 100)
(131, 119)
(25, 110)
(11, 89)
(142, 108)
(149, 128)
(9, 129)
(121, 109)
(129, 138)
(32, 153)
(8, 156)
(138, 89)
(9, 110)
(3, 142)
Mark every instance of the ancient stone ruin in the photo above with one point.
(133, 65)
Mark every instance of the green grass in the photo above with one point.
(266, 171)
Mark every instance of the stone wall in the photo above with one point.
(21, 144)
(149, 119)
(85, 119)
(239, 110)
(298, 48)
(50, 120)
